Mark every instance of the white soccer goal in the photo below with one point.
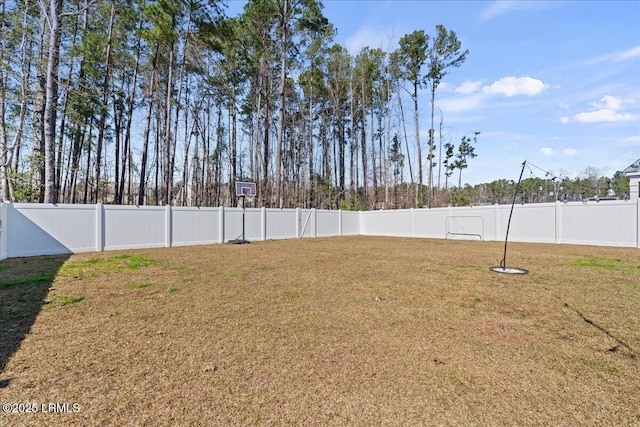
(465, 227)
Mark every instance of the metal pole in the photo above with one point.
(243, 240)
(503, 263)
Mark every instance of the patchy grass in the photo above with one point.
(24, 281)
(606, 263)
(69, 300)
(352, 331)
(144, 285)
(100, 265)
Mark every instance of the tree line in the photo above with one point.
(592, 185)
(157, 102)
(172, 102)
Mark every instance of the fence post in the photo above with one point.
(339, 222)
(264, 223)
(315, 222)
(99, 227)
(557, 219)
(638, 223)
(4, 229)
(413, 223)
(167, 226)
(496, 222)
(220, 224)
(298, 223)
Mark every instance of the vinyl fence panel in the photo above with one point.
(282, 224)
(350, 223)
(45, 229)
(600, 223)
(195, 226)
(129, 227)
(327, 223)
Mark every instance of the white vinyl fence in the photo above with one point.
(43, 229)
(30, 229)
(606, 223)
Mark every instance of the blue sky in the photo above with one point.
(553, 82)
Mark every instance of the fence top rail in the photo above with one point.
(50, 206)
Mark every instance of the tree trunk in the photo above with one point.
(79, 128)
(257, 90)
(87, 176)
(126, 148)
(186, 199)
(283, 77)
(404, 129)
(353, 173)
(39, 103)
(440, 150)
(266, 154)
(104, 106)
(4, 146)
(168, 138)
(180, 79)
(341, 153)
(147, 130)
(418, 145)
(363, 142)
(118, 121)
(310, 149)
(158, 157)
(374, 172)
(234, 140)
(431, 134)
(24, 96)
(51, 101)
(76, 152)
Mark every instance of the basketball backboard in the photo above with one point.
(245, 189)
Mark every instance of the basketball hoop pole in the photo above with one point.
(242, 197)
(244, 189)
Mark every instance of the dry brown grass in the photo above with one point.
(356, 331)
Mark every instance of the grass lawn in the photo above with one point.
(357, 331)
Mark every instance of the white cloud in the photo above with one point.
(547, 151)
(630, 141)
(496, 9)
(570, 151)
(617, 56)
(468, 87)
(366, 36)
(564, 120)
(444, 87)
(563, 105)
(604, 115)
(502, 7)
(608, 109)
(628, 54)
(610, 102)
(457, 105)
(512, 86)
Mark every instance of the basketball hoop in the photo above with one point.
(243, 189)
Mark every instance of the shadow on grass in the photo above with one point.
(24, 285)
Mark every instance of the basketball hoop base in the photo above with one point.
(238, 241)
(508, 270)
